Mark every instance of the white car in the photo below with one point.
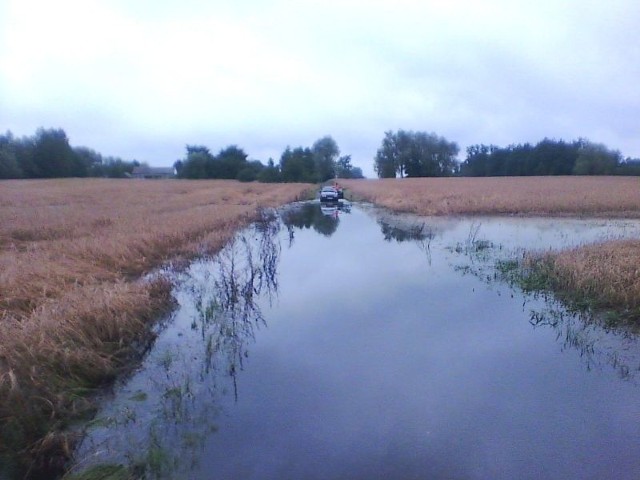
(329, 194)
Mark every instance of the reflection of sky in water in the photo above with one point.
(379, 359)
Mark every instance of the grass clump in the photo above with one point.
(103, 472)
(604, 277)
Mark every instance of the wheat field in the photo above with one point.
(73, 252)
(72, 305)
(607, 273)
(576, 196)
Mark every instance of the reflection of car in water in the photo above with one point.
(323, 217)
(329, 194)
(329, 210)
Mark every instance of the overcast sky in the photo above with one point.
(140, 79)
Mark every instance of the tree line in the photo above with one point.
(421, 154)
(318, 163)
(47, 154)
(547, 157)
(415, 154)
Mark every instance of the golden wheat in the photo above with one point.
(606, 275)
(581, 196)
(71, 305)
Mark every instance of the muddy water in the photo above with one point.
(350, 343)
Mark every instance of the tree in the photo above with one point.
(325, 153)
(547, 157)
(270, 174)
(54, 157)
(344, 169)
(9, 167)
(629, 166)
(387, 161)
(251, 171)
(229, 162)
(196, 165)
(596, 159)
(48, 154)
(552, 157)
(297, 165)
(90, 160)
(415, 154)
(477, 162)
(356, 172)
(113, 167)
(197, 149)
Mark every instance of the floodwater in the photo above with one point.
(355, 344)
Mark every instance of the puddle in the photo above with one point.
(347, 342)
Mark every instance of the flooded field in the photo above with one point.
(333, 343)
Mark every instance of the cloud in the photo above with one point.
(141, 80)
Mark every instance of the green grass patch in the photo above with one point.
(139, 396)
(103, 472)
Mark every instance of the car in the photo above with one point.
(329, 194)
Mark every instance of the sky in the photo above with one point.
(140, 79)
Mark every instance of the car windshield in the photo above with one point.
(328, 189)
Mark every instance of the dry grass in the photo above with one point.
(72, 307)
(578, 196)
(606, 275)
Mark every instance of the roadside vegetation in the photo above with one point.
(75, 311)
(605, 275)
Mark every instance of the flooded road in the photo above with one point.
(351, 343)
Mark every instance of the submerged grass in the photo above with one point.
(74, 311)
(104, 472)
(604, 276)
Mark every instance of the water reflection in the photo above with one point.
(398, 229)
(401, 233)
(333, 366)
(227, 300)
(323, 218)
(598, 340)
(158, 421)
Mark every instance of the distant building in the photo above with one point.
(153, 172)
